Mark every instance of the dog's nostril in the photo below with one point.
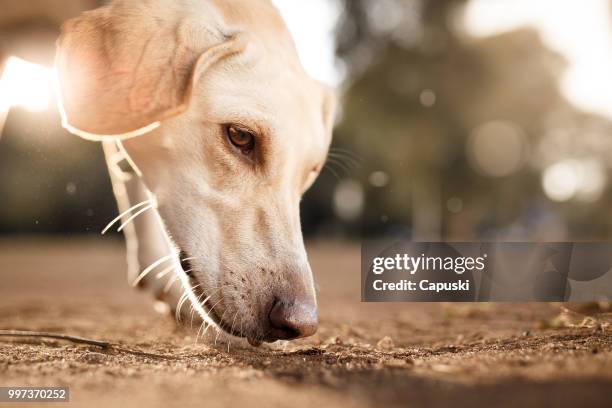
(291, 321)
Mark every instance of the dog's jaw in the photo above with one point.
(205, 301)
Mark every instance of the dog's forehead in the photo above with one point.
(265, 27)
(257, 17)
(276, 104)
(256, 91)
(266, 85)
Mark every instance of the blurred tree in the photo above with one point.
(418, 90)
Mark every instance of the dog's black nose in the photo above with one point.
(291, 320)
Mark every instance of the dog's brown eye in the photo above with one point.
(241, 139)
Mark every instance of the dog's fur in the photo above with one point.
(166, 77)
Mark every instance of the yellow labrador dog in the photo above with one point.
(212, 131)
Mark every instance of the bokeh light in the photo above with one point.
(497, 149)
(454, 205)
(25, 85)
(427, 98)
(581, 179)
(348, 200)
(379, 179)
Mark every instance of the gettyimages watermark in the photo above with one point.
(404, 271)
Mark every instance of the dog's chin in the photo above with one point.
(200, 292)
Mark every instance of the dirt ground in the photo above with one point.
(363, 355)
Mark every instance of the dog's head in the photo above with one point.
(230, 133)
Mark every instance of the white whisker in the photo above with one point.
(193, 306)
(182, 300)
(136, 214)
(342, 166)
(164, 272)
(110, 224)
(206, 329)
(331, 170)
(347, 152)
(151, 267)
(171, 282)
(232, 330)
(199, 331)
(349, 161)
(218, 333)
(215, 305)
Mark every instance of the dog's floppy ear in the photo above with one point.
(124, 68)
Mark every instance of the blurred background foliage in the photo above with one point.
(441, 136)
(466, 138)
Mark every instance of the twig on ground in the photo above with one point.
(81, 340)
(56, 336)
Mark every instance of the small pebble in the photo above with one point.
(93, 358)
(335, 340)
(386, 343)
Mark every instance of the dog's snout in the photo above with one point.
(292, 320)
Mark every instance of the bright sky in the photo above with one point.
(579, 30)
(312, 24)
